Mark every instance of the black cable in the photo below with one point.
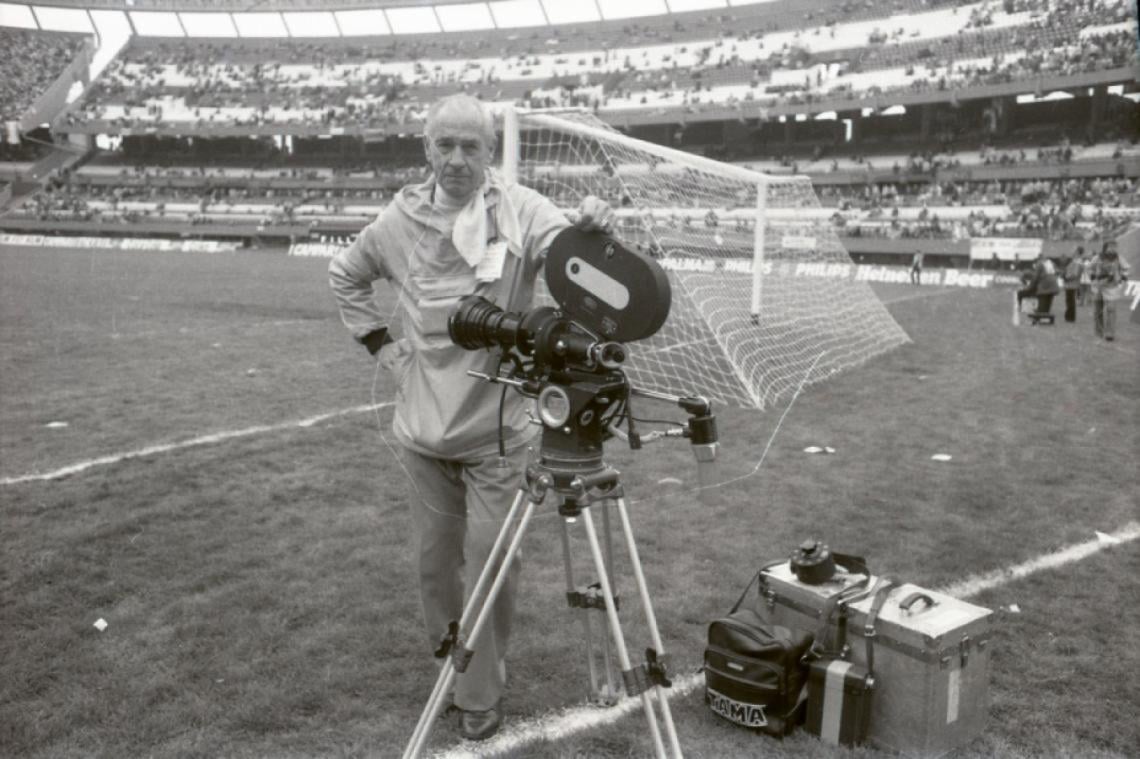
(618, 413)
(502, 403)
(502, 439)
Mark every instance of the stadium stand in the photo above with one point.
(385, 82)
(916, 204)
(918, 120)
(21, 83)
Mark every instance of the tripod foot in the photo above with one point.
(605, 696)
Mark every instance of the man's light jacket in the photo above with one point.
(440, 411)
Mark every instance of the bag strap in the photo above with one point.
(854, 564)
(755, 577)
(837, 602)
(879, 595)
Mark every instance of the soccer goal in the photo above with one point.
(762, 287)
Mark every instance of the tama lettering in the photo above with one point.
(749, 715)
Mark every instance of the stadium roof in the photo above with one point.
(310, 17)
(596, 9)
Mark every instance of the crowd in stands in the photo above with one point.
(345, 83)
(32, 60)
(784, 52)
(1103, 192)
(1060, 209)
(1059, 222)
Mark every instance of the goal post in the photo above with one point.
(763, 291)
(758, 246)
(510, 159)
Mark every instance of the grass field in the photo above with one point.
(259, 590)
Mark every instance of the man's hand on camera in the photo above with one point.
(594, 214)
(376, 339)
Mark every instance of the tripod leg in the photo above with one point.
(651, 620)
(586, 627)
(607, 659)
(615, 628)
(479, 607)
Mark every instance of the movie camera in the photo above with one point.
(570, 358)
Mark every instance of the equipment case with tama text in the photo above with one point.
(931, 656)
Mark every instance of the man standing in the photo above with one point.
(916, 268)
(1045, 284)
(1072, 274)
(466, 230)
(1084, 294)
(1108, 276)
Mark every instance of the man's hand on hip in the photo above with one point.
(376, 339)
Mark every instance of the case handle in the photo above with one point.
(907, 602)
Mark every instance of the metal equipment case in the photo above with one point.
(931, 657)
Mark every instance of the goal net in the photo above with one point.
(763, 289)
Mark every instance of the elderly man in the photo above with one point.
(466, 230)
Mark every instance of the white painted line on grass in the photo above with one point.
(972, 586)
(216, 437)
(563, 724)
(567, 722)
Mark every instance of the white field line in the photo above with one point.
(211, 439)
(567, 722)
(972, 586)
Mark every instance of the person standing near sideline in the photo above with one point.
(1045, 284)
(916, 268)
(1084, 295)
(1072, 274)
(1108, 276)
(466, 230)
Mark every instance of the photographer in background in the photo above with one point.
(462, 442)
(1108, 275)
(1072, 274)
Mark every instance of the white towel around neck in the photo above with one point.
(469, 234)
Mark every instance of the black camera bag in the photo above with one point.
(754, 675)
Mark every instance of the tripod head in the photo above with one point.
(580, 408)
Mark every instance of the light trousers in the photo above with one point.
(458, 508)
(1104, 316)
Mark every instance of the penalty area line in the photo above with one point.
(217, 437)
(572, 720)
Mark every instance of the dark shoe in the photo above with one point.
(449, 707)
(479, 726)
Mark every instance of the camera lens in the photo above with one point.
(477, 323)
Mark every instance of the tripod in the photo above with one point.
(579, 487)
